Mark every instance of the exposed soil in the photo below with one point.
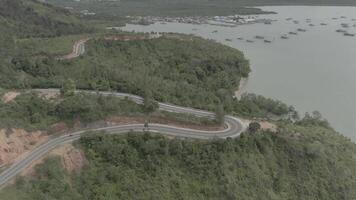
(9, 96)
(58, 128)
(268, 126)
(15, 143)
(265, 125)
(72, 159)
(49, 94)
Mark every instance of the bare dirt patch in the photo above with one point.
(268, 126)
(265, 125)
(49, 94)
(121, 120)
(72, 159)
(15, 143)
(9, 96)
(58, 128)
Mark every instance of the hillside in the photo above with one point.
(203, 70)
(300, 161)
(29, 18)
(27, 26)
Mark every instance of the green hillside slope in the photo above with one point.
(23, 20)
(29, 18)
(299, 162)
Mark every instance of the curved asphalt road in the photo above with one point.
(234, 127)
(78, 50)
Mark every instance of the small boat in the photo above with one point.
(344, 25)
(268, 22)
(323, 24)
(293, 33)
(249, 41)
(301, 30)
(296, 22)
(267, 41)
(341, 31)
(240, 38)
(334, 18)
(215, 31)
(349, 34)
(288, 19)
(284, 37)
(343, 17)
(259, 37)
(311, 25)
(229, 40)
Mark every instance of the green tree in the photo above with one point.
(149, 104)
(68, 88)
(220, 114)
(253, 127)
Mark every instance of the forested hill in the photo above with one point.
(29, 18)
(303, 161)
(22, 19)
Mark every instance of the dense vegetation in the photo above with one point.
(304, 160)
(33, 111)
(298, 162)
(252, 105)
(23, 20)
(179, 69)
(29, 18)
(185, 70)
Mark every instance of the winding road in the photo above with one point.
(79, 46)
(234, 127)
(78, 50)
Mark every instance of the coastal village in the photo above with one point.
(236, 20)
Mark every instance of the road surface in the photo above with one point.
(233, 125)
(78, 50)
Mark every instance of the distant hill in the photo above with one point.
(30, 18)
(184, 7)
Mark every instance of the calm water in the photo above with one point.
(314, 70)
